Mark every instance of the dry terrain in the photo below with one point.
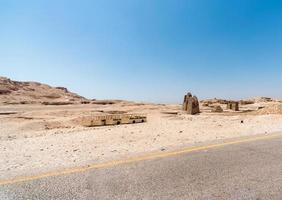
(41, 134)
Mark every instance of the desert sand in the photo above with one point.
(40, 138)
(37, 138)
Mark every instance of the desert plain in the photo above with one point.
(41, 131)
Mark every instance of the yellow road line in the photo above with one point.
(131, 160)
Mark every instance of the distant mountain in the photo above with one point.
(16, 92)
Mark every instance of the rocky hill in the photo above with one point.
(16, 92)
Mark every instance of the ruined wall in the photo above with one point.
(191, 104)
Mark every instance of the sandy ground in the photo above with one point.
(36, 138)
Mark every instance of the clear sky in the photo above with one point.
(146, 50)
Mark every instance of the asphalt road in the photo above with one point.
(251, 170)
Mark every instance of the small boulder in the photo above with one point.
(217, 109)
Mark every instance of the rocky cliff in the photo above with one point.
(16, 92)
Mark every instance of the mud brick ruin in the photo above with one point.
(233, 105)
(106, 120)
(191, 104)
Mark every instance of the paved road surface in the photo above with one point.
(251, 170)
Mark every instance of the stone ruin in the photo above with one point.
(191, 104)
(217, 109)
(233, 105)
(112, 119)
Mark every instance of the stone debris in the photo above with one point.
(217, 109)
(57, 103)
(214, 101)
(246, 102)
(270, 109)
(191, 104)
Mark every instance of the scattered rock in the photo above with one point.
(217, 109)
(56, 103)
(105, 102)
(63, 89)
(85, 102)
(3, 91)
(214, 101)
(246, 102)
(270, 109)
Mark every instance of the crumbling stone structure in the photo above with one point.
(217, 109)
(191, 104)
(233, 105)
(106, 120)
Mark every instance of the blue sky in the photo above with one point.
(145, 50)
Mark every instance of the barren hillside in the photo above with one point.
(16, 92)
